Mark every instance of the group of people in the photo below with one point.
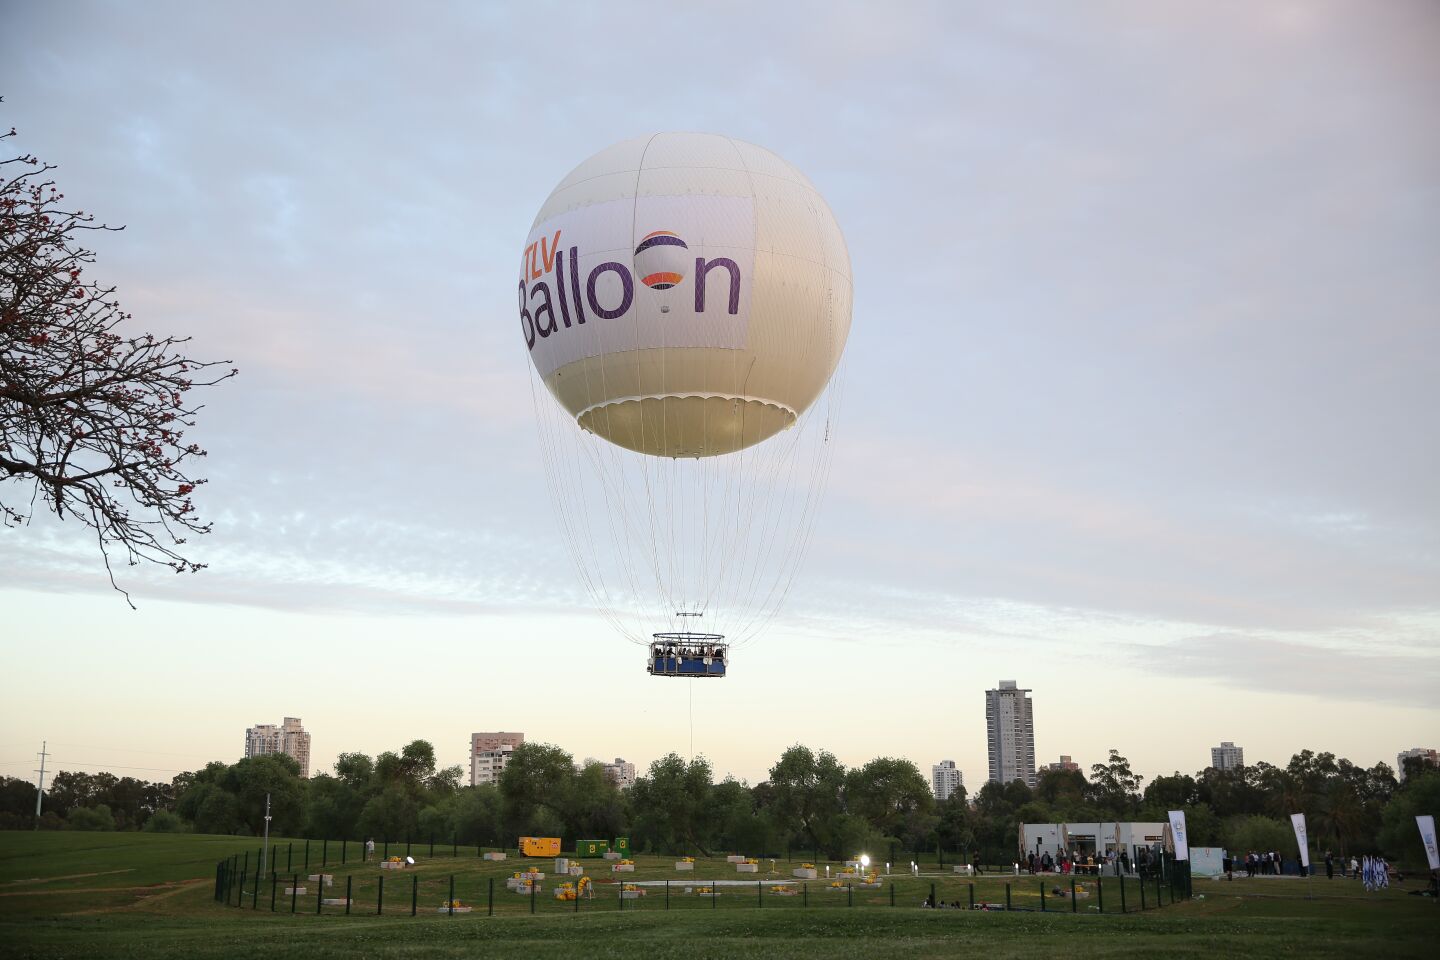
(1266, 864)
(672, 651)
(1374, 871)
(1083, 864)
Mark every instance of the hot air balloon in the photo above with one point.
(685, 300)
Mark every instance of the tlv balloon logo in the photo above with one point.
(661, 259)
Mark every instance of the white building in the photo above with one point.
(945, 779)
(289, 738)
(621, 773)
(1090, 839)
(489, 753)
(1227, 756)
(1423, 754)
(1010, 734)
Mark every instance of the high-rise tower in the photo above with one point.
(1010, 733)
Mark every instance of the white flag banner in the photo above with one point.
(1298, 820)
(1426, 824)
(1178, 834)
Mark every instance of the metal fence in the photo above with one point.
(361, 888)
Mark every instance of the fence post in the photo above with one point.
(454, 846)
(289, 853)
(414, 892)
(1100, 892)
(490, 903)
(892, 893)
(714, 891)
(347, 891)
(246, 868)
(1007, 895)
(345, 843)
(532, 894)
(451, 902)
(667, 895)
(319, 897)
(621, 893)
(1073, 902)
(324, 853)
(386, 853)
(294, 891)
(1042, 896)
(380, 897)
(804, 894)
(307, 854)
(759, 894)
(849, 895)
(1142, 894)
(972, 896)
(240, 891)
(273, 884)
(1159, 898)
(255, 892)
(432, 844)
(1122, 893)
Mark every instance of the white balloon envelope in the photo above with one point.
(685, 298)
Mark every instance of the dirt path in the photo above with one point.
(70, 876)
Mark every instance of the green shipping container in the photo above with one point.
(593, 848)
(622, 846)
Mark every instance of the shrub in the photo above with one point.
(91, 818)
(163, 821)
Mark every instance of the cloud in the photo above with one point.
(1273, 665)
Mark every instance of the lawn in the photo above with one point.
(140, 895)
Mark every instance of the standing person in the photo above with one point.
(369, 848)
(1354, 867)
(1329, 866)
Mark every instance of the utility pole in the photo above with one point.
(40, 785)
(265, 855)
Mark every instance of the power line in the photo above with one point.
(108, 766)
(95, 746)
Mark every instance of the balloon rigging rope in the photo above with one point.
(715, 548)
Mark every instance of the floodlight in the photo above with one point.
(864, 859)
(410, 860)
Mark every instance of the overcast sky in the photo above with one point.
(1140, 395)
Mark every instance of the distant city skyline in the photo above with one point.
(1064, 763)
(289, 738)
(1227, 756)
(945, 779)
(490, 752)
(1136, 404)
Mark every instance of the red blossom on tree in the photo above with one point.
(92, 416)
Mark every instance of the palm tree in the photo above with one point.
(1341, 814)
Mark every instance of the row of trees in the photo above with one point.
(809, 803)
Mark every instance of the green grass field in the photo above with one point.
(142, 895)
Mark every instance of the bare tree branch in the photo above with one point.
(92, 416)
